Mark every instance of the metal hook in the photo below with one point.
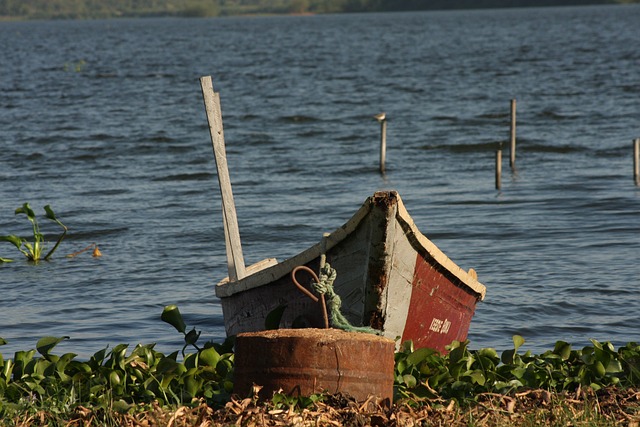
(308, 293)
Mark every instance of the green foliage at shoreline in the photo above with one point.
(595, 384)
(464, 374)
(95, 9)
(120, 382)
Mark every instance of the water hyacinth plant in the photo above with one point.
(171, 315)
(114, 380)
(118, 387)
(464, 374)
(33, 250)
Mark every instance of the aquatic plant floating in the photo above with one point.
(33, 250)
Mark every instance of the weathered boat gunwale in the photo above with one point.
(225, 288)
(418, 241)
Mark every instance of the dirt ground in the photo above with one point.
(607, 407)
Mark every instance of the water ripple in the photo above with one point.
(121, 150)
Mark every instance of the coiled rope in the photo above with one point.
(323, 286)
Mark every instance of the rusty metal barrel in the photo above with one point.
(302, 362)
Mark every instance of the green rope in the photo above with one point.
(325, 287)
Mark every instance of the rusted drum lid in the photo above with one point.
(302, 362)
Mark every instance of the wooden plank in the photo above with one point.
(512, 132)
(235, 260)
(636, 161)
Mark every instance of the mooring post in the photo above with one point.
(636, 161)
(512, 145)
(235, 260)
(498, 168)
(382, 118)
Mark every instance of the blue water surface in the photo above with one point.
(104, 121)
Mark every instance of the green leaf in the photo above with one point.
(2, 341)
(117, 359)
(21, 360)
(517, 342)
(516, 372)
(401, 366)
(209, 357)
(409, 380)
(15, 240)
(227, 346)
(191, 361)
(121, 406)
(114, 378)
(96, 360)
(407, 346)
(596, 343)
(224, 367)
(272, 321)
(562, 349)
(167, 365)
(7, 369)
(598, 369)
(46, 344)
(64, 360)
(458, 351)
(477, 377)
(26, 209)
(490, 353)
(52, 216)
(171, 315)
(419, 355)
(614, 367)
(192, 337)
(49, 213)
(192, 385)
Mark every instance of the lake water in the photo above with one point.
(104, 121)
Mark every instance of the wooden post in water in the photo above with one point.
(382, 118)
(235, 260)
(636, 161)
(512, 145)
(498, 168)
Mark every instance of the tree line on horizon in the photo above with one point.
(92, 9)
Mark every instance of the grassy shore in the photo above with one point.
(596, 385)
(593, 386)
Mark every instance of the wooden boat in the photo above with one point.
(389, 276)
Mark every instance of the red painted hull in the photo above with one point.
(439, 311)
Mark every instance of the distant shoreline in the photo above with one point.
(30, 10)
